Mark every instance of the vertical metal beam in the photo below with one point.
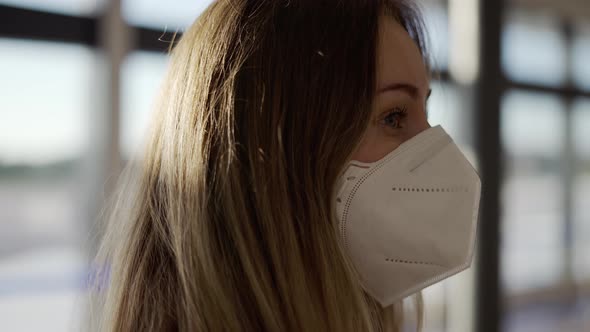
(115, 40)
(488, 92)
(568, 168)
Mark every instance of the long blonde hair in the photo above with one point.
(224, 221)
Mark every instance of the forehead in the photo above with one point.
(398, 57)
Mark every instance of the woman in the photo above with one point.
(235, 216)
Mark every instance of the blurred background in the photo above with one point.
(78, 79)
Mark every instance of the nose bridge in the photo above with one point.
(425, 124)
(419, 125)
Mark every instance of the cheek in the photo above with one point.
(377, 142)
(375, 145)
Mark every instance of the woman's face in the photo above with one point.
(399, 103)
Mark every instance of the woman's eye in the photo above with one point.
(394, 117)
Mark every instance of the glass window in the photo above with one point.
(449, 106)
(581, 56)
(43, 102)
(581, 195)
(437, 25)
(70, 7)
(532, 132)
(444, 108)
(44, 123)
(533, 49)
(165, 15)
(141, 76)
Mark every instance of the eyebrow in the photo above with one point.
(410, 89)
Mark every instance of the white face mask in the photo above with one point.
(408, 220)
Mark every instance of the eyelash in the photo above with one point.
(399, 113)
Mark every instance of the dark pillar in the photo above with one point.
(488, 93)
